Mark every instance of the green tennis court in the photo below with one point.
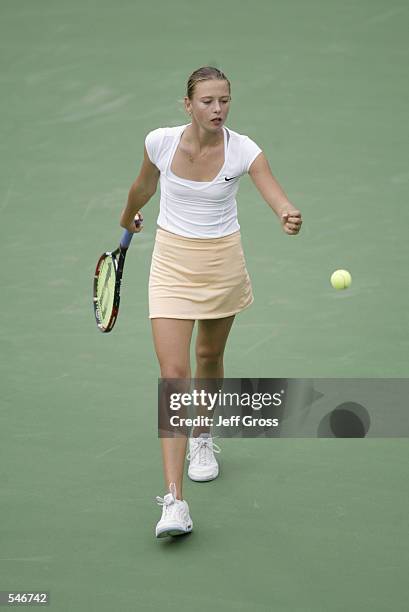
(292, 525)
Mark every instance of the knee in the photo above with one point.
(175, 371)
(208, 356)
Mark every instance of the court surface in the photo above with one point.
(293, 525)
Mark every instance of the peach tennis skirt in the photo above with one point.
(198, 278)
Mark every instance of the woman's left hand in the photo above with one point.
(291, 221)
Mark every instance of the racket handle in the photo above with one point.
(127, 236)
(126, 239)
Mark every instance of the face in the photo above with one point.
(211, 99)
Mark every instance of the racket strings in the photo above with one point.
(105, 290)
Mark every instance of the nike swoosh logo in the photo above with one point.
(229, 179)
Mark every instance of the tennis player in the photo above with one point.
(198, 270)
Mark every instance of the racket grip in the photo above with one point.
(126, 239)
(127, 236)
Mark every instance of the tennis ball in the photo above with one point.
(340, 279)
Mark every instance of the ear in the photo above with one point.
(188, 106)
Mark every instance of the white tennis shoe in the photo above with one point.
(175, 519)
(203, 465)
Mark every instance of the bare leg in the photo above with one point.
(172, 339)
(210, 345)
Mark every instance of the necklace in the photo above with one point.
(192, 159)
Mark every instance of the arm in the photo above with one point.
(274, 195)
(141, 191)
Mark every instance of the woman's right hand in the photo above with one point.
(136, 226)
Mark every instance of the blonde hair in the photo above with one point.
(204, 74)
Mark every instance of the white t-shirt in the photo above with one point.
(197, 209)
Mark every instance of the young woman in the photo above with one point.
(198, 271)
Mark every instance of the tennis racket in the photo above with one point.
(107, 282)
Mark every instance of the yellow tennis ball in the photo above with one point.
(340, 279)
